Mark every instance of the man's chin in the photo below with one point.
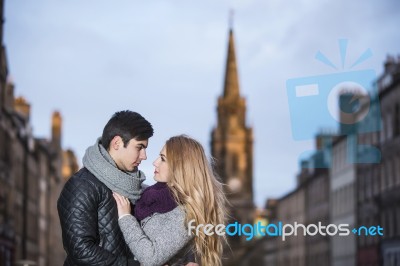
(133, 170)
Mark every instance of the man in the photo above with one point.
(86, 207)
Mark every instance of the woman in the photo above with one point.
(187, 189)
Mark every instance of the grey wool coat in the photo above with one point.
(159, 239)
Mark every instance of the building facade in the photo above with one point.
(31, 179)
(291, 208)
(342, 207)
(378, 185)
(314, 176)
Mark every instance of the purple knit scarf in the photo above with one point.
(155, 198)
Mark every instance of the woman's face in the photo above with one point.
(161, 171)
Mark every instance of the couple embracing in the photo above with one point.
(109, 217)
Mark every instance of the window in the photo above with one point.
(376, 181)
(3, 142)
(389, 126)
(396, 124)
(389, 174)
(383, 221)
(397, 172)
(397, 222)
(361, 186)
(391, 218)
(382, 132)
(382, 176)
(5, 148)
(375, 137)
(369, 185)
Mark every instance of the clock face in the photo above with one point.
(234, 184)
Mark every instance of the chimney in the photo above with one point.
(23, 108)
(389, 63)
(69, 164)
(56, 125)
(349, 102)
(323, 140)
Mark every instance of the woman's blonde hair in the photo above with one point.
(197, 189)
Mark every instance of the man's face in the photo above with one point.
(129, 157)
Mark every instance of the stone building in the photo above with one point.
(232, 147)
(314, 176)
(353, 178)
(31, 179)
(291, 208)
(342, 206)
(378, 185)
(307, 204)
(263, 251)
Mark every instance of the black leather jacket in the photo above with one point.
(89, 221)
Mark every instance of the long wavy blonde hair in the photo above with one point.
(196, 188)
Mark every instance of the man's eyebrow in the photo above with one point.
(142, 145)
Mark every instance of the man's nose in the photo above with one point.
(143, 154)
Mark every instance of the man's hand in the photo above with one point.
(123, 204)
(189, 264)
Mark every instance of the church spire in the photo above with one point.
(231, 86)
(232, 147)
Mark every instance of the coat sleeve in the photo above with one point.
(77, 209)
(170, 237)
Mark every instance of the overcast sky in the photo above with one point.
(166, 60)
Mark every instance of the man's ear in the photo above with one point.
(116, 143)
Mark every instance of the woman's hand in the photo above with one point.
(123, 204)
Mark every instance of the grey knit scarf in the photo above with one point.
(99, 162)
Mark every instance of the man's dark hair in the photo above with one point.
(128, 125)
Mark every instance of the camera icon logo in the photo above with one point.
(347, 101)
